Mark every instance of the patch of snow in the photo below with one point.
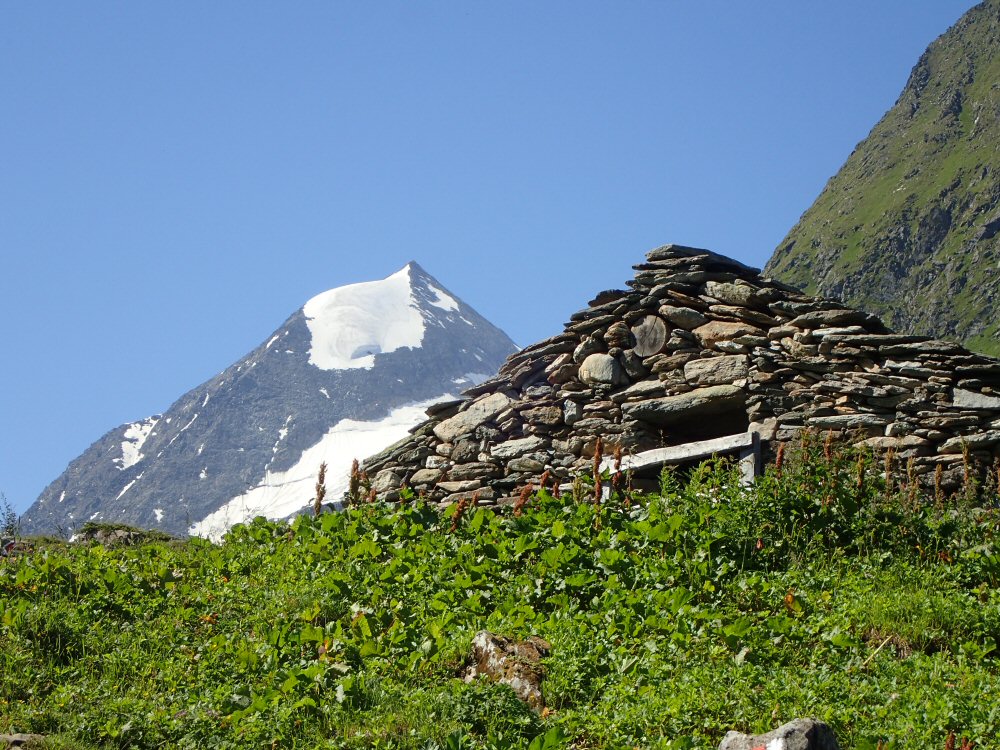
(158, 512)
(284, 493)
(271, 341)
(472, 377)
(182, 429)
(127, 488)
(324, 392)
(349, 325)
(134, 437)
(206, 399)
(443, 301)
(282, 434)
(203, 474)
(201, 448)
(62, 496)
(477, 356)
(94, 515)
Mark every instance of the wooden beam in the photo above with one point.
(747, 444)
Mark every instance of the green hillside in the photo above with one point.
(908, 228)
(672, 618)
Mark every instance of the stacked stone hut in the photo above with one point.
(701, 355)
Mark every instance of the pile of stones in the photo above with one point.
(701, 346)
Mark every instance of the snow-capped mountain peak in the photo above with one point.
(341, 374)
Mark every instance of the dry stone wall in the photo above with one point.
(701, 346)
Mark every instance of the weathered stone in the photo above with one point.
(634, 366)
(599, 369)
(425, 476)
(641, 390)
(526, 464)
(716, 370)
(515, 448)
(510, 662)
(386, 480)
(800, 734)
(547, 415)
(618, 335)
(978, 441)
(589, 345)
(474, 470)
(671, 409)
(479, 412)
(847, 421)
(716, 331)
(736, 293)
(683, 317)
(465, 485)
(829, 318)
(964, 399)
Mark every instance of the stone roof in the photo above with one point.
(700, 347)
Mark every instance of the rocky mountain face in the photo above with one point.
(343, 377)
(701, 355)
(908, 228)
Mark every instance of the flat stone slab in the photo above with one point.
(717, 370)
(964, 399)
(479, 412)
(699, 402)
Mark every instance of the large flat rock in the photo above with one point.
(479, 412)
(699, 402)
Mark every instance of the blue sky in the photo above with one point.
(177, 178)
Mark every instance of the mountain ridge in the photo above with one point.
(336, 358)
(914, 213)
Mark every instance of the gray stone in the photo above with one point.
(465, 485)
(683, 317)
(546, 415)
(515, 448)
(386, 480)
(800, 734)
(642, 389)
(978, 441)
(820, 318)
(479, 412)
(601, 369)
(572, 412)
(590, 345)
(848, 421)
(732, 294)
(671, 409)
(474, 470)
(964, 399)
(465, 451)
(716, 370)
(425, 476)
(526, 464)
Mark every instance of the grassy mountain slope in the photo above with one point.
(909, 228)
(672, 618)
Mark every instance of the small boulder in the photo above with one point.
(510, 662)
(20, 740)
(601, 369)
(800, 734)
